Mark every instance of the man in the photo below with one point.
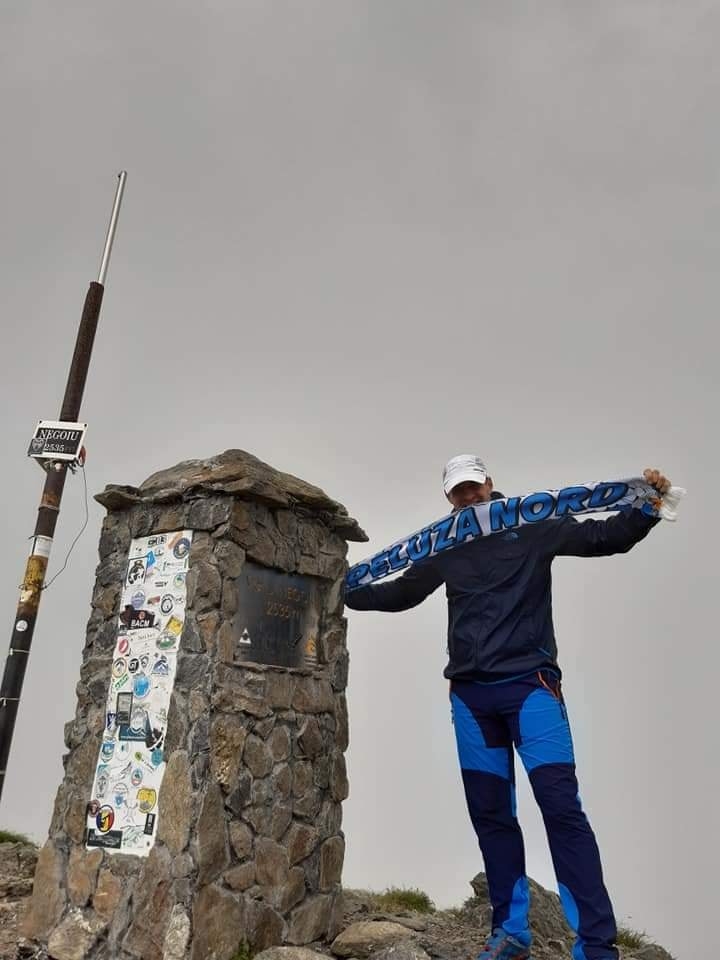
(505, 690)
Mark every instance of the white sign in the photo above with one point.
(55, 440)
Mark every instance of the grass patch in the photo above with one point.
(243, 952)
(9, 836)
(627, 937)
(393, 899)
(406, 898)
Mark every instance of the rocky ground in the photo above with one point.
(457, 934)
(17, 867)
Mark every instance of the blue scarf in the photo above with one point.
(484, 519)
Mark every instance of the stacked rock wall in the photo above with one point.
(247, 845)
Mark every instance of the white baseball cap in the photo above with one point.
(464, 467)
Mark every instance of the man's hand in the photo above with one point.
(656, 479)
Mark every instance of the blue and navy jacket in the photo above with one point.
(499, 591)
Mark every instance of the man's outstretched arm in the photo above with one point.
(602, 538)
(405, 592)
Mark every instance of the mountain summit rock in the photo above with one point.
(454, 934)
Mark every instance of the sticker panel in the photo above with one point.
(122, 815)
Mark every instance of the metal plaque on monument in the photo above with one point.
(278, 617)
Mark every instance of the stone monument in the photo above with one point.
(200, 811)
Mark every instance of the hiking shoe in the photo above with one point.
(501, 946)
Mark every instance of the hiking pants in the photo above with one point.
(530, 713)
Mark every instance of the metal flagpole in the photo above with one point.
(50, 439)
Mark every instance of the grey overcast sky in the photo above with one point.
(357, 239)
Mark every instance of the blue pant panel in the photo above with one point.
(530, 714)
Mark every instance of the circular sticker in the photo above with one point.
(179, 581)
(22, 625)
(105, 818)
(136, 777)
(156, 757)
(167, 603)
(138, 599)
(161, 666)
(107, 749)
(123, 645)
(120, 794)
(144, 660)
(181, 548)
(133, 665)
(165, 642)
(141, 685)
(119, 667)
(147, 798)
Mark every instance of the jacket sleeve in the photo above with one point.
(404, 592)
(599, 538)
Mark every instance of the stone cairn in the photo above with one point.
(248, 849)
